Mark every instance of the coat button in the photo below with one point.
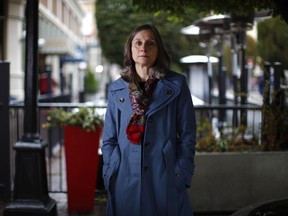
(121, 100)
(147, 144)
(177, 175)
(145, 168)
(169, 92)
(150, 119)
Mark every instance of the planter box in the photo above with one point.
(81, 152)
(231, 181)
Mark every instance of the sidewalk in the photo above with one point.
(61, 200)
(58, 183)
(99, 205)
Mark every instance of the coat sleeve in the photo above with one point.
(186, 129)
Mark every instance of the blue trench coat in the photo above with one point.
(150, 178)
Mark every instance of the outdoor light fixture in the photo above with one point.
(191, 30)
(198, 59)
(99, 69)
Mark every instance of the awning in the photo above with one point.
(55, 41)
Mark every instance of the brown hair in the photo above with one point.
(162, 64)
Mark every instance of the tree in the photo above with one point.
(242, 7)
(116, 19)
(272, 44)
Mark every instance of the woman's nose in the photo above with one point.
(143, 47)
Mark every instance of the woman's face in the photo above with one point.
(144, 49)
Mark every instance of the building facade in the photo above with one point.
(62, 45)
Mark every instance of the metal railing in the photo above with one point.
(232, 116)
(54, 136)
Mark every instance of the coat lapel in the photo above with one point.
(120, 95)
(164, 92)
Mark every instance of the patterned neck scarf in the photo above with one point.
(139, 100)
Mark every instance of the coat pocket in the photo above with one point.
(173, 169)
(109, 170)
(179, 179)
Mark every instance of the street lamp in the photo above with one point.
(30, 195)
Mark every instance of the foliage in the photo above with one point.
(228, 6)
(90, 82)
(251, 52)
(230, 140)
(116, 19)
(114, 27)
(272, 44)
(85, 117)
(206, 141)
(275, 123)
(251, 48)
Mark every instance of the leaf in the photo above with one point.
(85, 117)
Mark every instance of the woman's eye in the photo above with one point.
(151, 43)
(138, 43)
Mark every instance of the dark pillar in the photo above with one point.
(221, 85)
(243, 85)
(30, 186)
(277, 75)
(236, 96)
(222, 93)
(244, 93)
(243, 77)
(266, 91)
(48, 71)
(279, 94)
(266, 104)
(5, 182)
(62, 78)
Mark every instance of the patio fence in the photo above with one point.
(54, 136)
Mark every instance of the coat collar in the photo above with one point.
(164, 92)
(120, 95)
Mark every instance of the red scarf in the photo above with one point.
(139, 101)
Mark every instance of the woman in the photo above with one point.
(149, 133)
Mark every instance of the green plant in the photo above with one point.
(241, 139)
(90, 82)
(85, 117)
(275, 123)
(231, 139)
(206, 140)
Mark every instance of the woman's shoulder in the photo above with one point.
(119, 83)
(175, 77)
